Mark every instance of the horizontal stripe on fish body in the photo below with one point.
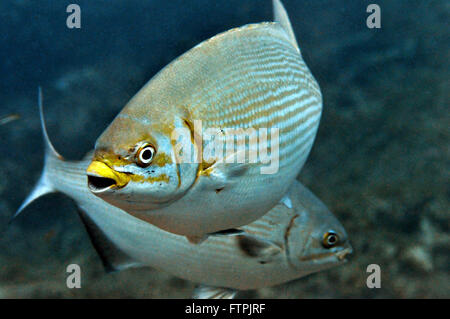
(262, 97)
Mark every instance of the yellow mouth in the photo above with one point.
(101, 177)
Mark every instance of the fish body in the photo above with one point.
(285, 244)
(247, 82)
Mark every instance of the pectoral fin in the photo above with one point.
(206, 292)
(262, 249)
(224, 173)
(113, 259)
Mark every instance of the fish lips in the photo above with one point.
(102, 178)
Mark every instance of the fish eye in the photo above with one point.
(145, 155)
(330, 239)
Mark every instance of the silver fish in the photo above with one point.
(246, 84)
(285, 244)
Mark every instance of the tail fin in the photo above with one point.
(44, 185)
(281, 16)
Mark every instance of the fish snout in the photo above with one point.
(101, 177)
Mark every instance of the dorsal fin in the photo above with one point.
(281, 16)
(113, 259)
(228, 232)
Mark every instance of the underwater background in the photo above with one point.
(381, 159)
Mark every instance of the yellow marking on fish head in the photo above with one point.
(101, 170)
(161, 159)
(156, 179)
